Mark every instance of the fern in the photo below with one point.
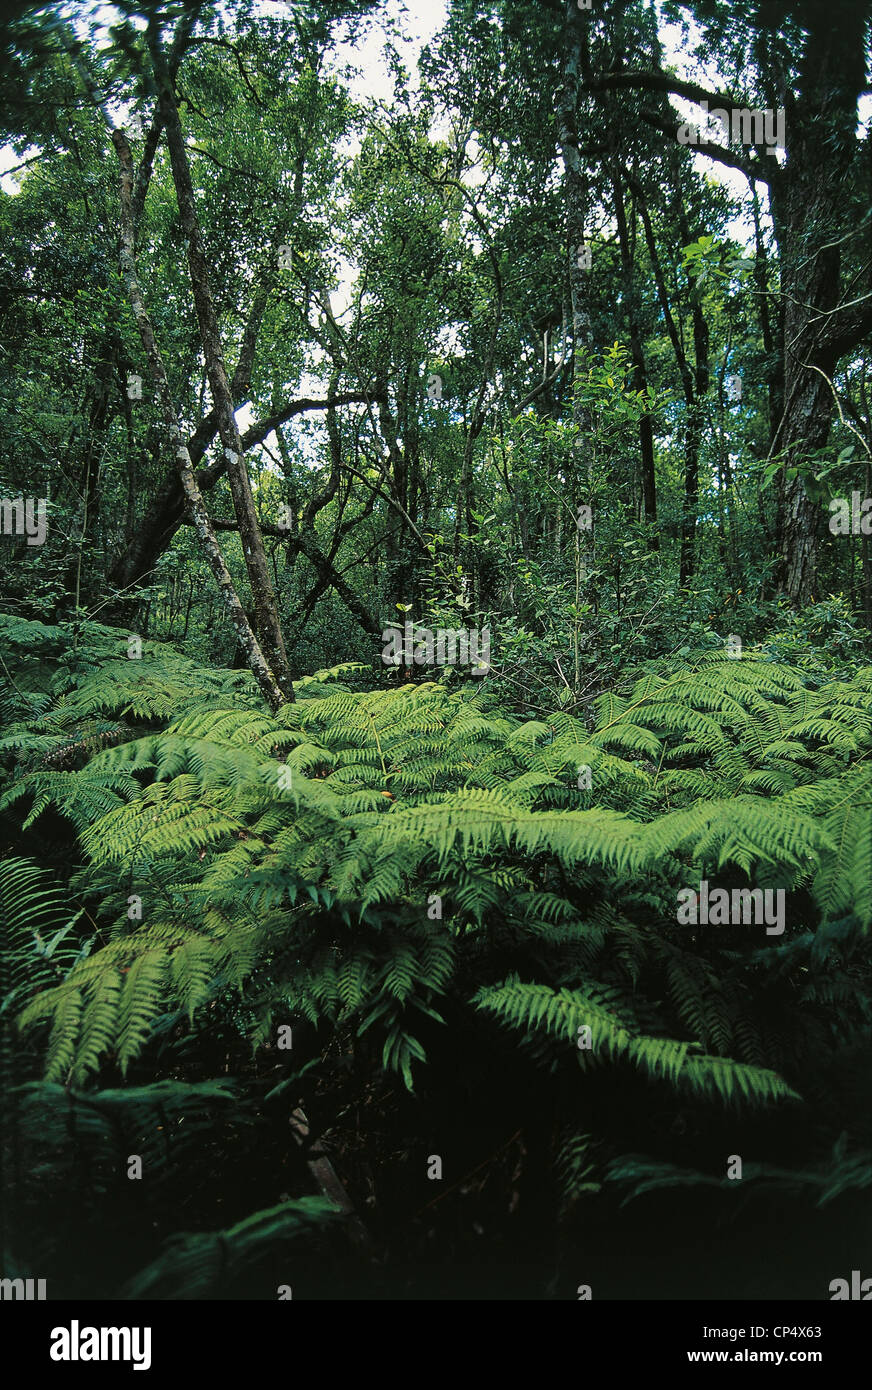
(204, 1265)
(296, 857)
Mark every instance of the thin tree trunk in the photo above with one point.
(640, 375)
(694, 384)
(272, 692)
(575, 184)
(576, 203)
(263, 596)
(696, 413)
(772, 345)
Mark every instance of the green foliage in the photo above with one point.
(205, 1265)
(294, 856)
(843, 1172)
(35, 945)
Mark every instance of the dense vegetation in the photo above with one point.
(362, 974)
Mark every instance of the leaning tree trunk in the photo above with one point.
(272, 692)
(269, 629)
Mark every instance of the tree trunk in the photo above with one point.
(263, 597)
(269, 687)
(576, 203)
(808, 197)
(640, 375)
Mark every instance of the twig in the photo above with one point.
(324, 1173)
